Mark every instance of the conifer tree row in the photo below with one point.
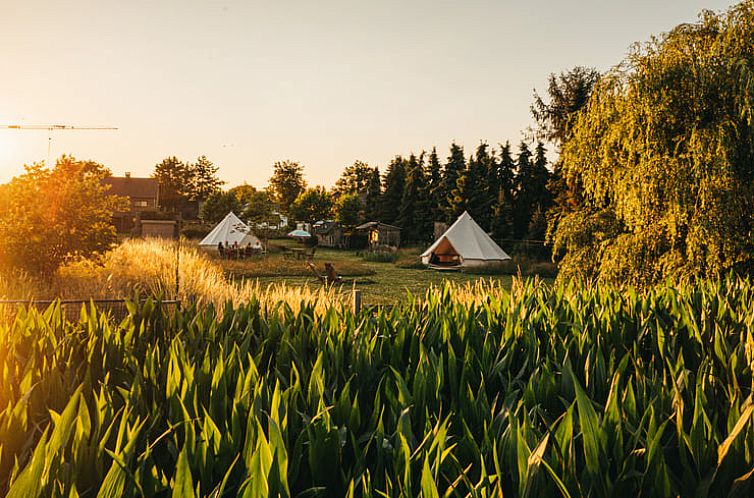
(507, 197)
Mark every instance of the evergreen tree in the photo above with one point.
(506, 169)
(484, 198)
(503, 215)
(540, 179)
(374, 193)
(204, 180)
(436, 197)
(466, 194)
(455, 166)
(523, 197)
(394, 181)
(502, 211)
(413, 216)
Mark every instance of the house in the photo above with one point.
(144, 199)
(329, 234)
(144, 193)
(275, 221)
(381, 234)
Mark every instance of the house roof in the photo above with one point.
(376, 224)
(325, 227)
(128, 186)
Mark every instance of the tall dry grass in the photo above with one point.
(148, 267)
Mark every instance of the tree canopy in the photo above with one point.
(185, 185)
(286, 184)
(348, 210)
(256, 205)
(663, 156)
(50, 214)
(567, 94)
(312, 205)
(354, 180)
(218, 205)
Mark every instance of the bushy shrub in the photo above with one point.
(379, 256)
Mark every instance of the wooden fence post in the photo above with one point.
(356, 301)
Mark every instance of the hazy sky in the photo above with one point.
(321, 82)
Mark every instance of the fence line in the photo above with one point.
(72, 307)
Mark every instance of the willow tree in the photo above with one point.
(664, 157)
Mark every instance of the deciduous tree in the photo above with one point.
(175, 183)
(348, 210)
(256, 205)
(312, 205)
(286, 184)
(50, 214)
(218, 205)
(354, 180)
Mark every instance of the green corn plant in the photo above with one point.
(468, 391)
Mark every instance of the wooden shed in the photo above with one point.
(329, 234)
(381, 234)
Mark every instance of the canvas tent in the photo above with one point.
(230, 230)
(463, 245)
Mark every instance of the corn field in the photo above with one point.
(540, 391)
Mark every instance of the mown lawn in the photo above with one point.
(380, 283)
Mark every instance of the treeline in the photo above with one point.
(184, 186)
(505, 191)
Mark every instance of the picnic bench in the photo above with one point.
(301, 253)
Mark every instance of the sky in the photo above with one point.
(324, 82)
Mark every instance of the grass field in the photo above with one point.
(380, 283)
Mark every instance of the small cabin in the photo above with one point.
(381, 234)
(329, 234)
(163, 229)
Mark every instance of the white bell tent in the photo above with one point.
(231, 229)
(463, 245)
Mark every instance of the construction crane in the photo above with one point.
(53, 127)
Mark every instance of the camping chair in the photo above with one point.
(330, 277)
(315, 271)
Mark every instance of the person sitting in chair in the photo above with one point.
(332, 275)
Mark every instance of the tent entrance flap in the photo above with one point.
(445, 255)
